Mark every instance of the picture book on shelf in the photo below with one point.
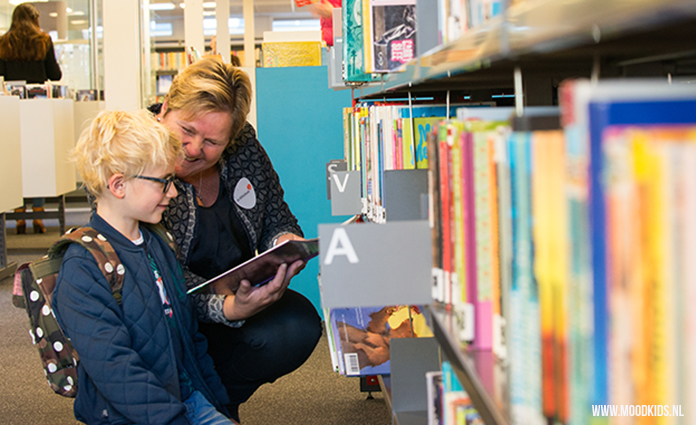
(361, 336)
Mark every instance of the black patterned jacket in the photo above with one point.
(262, 210)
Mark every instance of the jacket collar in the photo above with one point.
(113, 236)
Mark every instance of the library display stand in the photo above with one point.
(526, 51)
(46, 135)
(10, 172)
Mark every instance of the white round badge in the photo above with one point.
(244, 194)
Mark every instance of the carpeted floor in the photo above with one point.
(312, 395)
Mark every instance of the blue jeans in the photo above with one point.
(201, 412)
(270, 344)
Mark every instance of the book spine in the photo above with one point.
(542, 261)
(485, 221)
(444, 293)
(505, 246)
(526, 342)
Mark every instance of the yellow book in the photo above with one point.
(291, 53)
(367, 34)
(541, 211)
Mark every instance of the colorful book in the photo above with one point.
(353, 42)
(392, 41)
(362, 335)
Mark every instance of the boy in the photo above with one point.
(142, 361)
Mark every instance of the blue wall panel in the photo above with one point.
(300, 125)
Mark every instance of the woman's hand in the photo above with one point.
(250, 300)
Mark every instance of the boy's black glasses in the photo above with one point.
(166, 182)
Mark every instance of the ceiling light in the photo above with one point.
(79, 22)
(77, 13)
(182, 5)
(161, 6)
(69, 10)
(208, 13)
(53, 14)
(209, 4)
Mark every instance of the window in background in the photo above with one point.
(296, 25)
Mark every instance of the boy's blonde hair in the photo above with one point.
(122, 142)
(210, 85)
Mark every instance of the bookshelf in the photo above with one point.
(527, 51)
(549, 38)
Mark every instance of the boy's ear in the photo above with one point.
(163, 110)
(117, 185)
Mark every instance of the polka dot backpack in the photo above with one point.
(33, 291)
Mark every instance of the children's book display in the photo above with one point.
(359, 337)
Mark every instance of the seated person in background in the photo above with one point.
(141, 360)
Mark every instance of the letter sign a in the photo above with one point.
(340, 245)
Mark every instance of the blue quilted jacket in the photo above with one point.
(128, 371)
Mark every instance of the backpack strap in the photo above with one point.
(98, 246)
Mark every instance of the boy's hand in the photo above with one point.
(250, 300)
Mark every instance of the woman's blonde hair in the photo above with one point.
(122, 142)
(210, 85)
(24, 41)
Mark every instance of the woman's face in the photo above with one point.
(204, 138)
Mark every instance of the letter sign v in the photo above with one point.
(341, 187)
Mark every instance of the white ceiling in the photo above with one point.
(279, 9)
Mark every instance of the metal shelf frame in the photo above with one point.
(560, 38)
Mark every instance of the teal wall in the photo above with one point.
(300, 125)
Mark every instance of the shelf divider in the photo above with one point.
(481, 375)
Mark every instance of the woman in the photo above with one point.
(26, 53)
(230, 205)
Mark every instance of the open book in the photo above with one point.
(260, 269)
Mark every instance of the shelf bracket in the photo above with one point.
(596, 68)
(519, 92)
(448, 105)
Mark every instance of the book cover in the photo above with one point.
(688, 271)
(393, 34)
(444, 293)
(550, 258)
(435, 213)
(434, 394)
(505, 244)
(525, 341)
(362, 335)
(333, 353)
(673, 108)
(261, 269)
(353, 45)
(424, 126)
